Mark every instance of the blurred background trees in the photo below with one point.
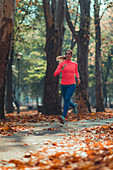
(29, 39)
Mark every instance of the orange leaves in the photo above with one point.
(89, 148)
(85, 35)
(58, 154)
(6, 129)
(91, 153)
(18, 163)
(70, 154)
(35, 2)
(17, 1)
(16, 123)
(93, 113)
(19, 11)
(103, 39)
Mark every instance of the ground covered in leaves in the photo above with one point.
(87, 149)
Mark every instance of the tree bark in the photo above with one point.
(108, 67)
(6, 29)
(82, 38)
(99, 89)
(9, 98)
(54, 18)
(82, 55)
(73, 41)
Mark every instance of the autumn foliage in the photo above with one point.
(87, 148)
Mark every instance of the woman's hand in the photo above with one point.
(78, 81)
(63, 66)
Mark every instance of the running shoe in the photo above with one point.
(61, 119)
(75, 111)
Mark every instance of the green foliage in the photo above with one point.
(37, 67)
(107, 50)
(29, 38)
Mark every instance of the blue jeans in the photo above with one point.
(67, 92)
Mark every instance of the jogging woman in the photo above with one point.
(68, 83)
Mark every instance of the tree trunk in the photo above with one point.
(54, 17)
(73, 41)
(99, 89)
(6, 29)
(9, 99)
(82, 39)
(82, 56)
(108, 67)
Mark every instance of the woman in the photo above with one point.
(68, 84)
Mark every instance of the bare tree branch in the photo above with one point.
(109, 6)
(72, 28)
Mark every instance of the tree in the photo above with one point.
(99, 89)
(27, 37)
(6, 29)
(105, 20)
(107, 52)
(9, 97)
(82, 38)
(54, 17)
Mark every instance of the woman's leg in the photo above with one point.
(63, 90)
(67, 93)
(72, 104)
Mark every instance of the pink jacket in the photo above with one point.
(68, 73)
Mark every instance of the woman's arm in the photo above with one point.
(58, 70)
(76, 71)
(78, 81)
(77, 74)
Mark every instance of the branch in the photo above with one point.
(76, 17)
(92, 36)
(72, 28)
(47, 12)
(109, 6)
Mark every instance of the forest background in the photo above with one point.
(83, 26)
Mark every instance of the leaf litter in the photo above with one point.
(87, 149)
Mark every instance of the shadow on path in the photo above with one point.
(15, 146)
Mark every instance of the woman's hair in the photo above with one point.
(70, 51)
(62, 58)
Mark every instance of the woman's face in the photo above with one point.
(68, 55)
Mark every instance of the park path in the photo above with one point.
(15, 146)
